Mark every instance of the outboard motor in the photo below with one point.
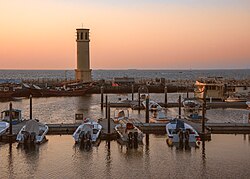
(136, 140)
(130, 139)
(33, 138)
(181, 139)
(187, 140)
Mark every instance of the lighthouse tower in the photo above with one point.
(83, 71)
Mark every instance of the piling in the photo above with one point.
(10, 131)
(108, 118)
(203, 118)
(187, 92)
(179, 106)
(166, 96)
(102, 97)
(139, 100)
(106, 106)
(30, 106)
(147, 110)
(132, 91)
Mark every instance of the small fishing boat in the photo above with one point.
(120, 114)
(181, 133)
(159, 117)
(236, 98)
(152, 105)
(129, 133)
(89, 130)
(191, 103)
(4, 126)
(16, 116)
(33, 132)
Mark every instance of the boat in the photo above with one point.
(120, 114)
(180, 133)
(248, 103)
(191, 103)
(16, 116)
(128, 133)
(152, 105)
(4, 126)
(192, 109)
(33, 132)
(236, 98)
(159, 117)
(89, 131)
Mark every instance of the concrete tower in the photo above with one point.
(83, 71)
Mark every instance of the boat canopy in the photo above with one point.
(32, 126)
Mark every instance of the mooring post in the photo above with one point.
(108, 118)
(132, 90)
(106, 106)
(30, 106)
(203, 118)
(147, 109)
(187, 92)
(166, 96)
(10, 116)
(179, 106)
(139, 100)
(101, 97)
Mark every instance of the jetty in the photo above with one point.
(148, 128)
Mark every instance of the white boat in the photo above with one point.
(32, 132)
(181, 133)
(191, 103)
(120, 114)
(16, 116)
(159, 117)
(248, 103)
(4, 126)
(129, 133)
(236, 98)
(152, 105)
(89, 130)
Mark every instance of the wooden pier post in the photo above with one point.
(179, 106)
(187, 92)
(139, 100)
(30, 106)
(109, 118)
(147, 109)
(10, 131)
(102, 97)
(132, 92)
(203, 118)
(106, 108)
(166, 96)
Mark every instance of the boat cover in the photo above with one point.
(180, 124)
(32, 126)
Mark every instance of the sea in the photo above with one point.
(238, 74)
(224, 156)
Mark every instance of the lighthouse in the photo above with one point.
(83, 71)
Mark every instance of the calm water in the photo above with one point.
(110, 74)
(63, 109)
(225, 156)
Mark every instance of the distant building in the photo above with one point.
(83, 71)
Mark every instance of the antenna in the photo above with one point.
(82, 25)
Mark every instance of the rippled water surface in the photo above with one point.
(225, 156)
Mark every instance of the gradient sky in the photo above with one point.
(146, 34)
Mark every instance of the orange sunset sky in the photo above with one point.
(146, 34)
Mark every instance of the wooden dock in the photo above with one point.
(149, 128)
(216, 104)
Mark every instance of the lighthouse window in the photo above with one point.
(86, 36)
(77, 36)
(81, 35)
